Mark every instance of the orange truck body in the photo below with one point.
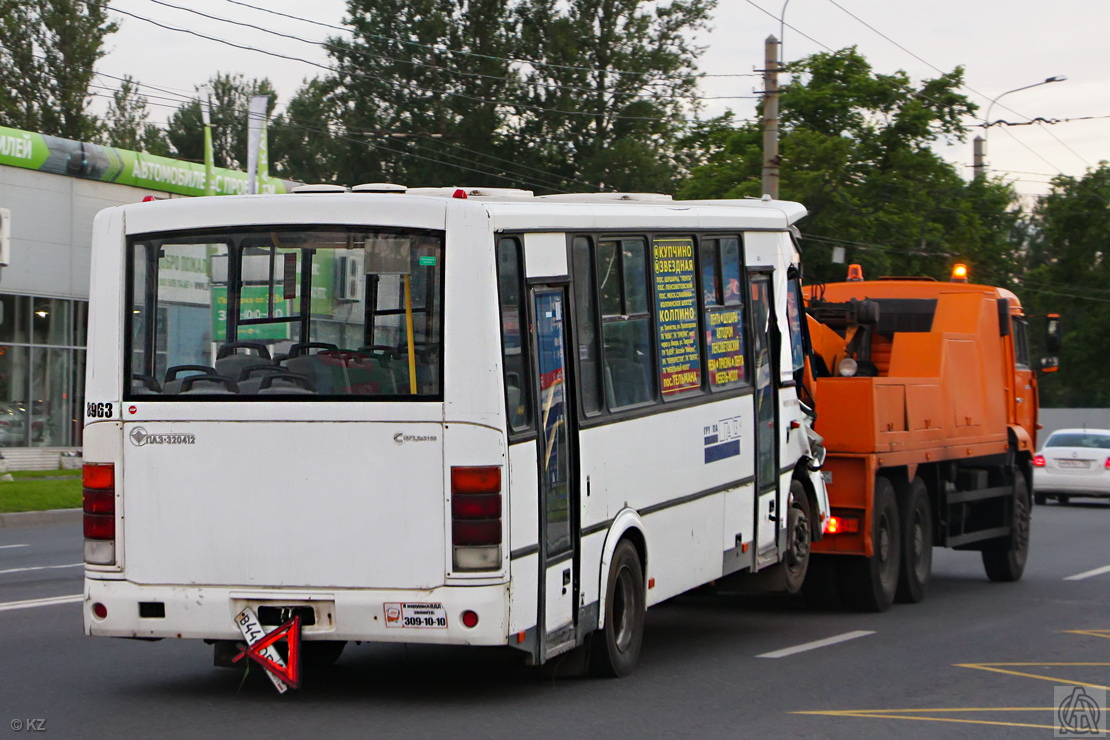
(959, 387)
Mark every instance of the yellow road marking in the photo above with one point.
(1092, 633)
(900, 714)
(994, 668)
(917, 714)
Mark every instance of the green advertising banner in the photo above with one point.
(122, 166)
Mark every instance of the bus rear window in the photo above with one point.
(297, 314)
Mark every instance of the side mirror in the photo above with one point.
(1049, 364)
(1052, 333)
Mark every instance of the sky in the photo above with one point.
(1002, 45)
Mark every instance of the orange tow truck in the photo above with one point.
(926, 397)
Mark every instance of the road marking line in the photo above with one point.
(8, 547)
(901, 714)
(995, 668)
(41, 567)
(41, 602)
(1089, 573)
(817, 644)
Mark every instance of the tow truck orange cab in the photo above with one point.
(926, 396)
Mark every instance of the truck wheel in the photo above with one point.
(615, 647)
(1005, 561)
(917, 545)
(799, 537)
(869, 584)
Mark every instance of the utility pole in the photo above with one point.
(771, 117)
(978, 164)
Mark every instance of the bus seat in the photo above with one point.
(208, 384)
(172, 384)
(285, 383)
(144, 385)
(232, 364)
(326, 368)
(250, 381)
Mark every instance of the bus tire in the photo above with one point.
(799, 536)
(869, 584)
(917, 545)
(1004, 560)
(615, 648)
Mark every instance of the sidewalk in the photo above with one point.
(37, 518)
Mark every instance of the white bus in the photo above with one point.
(441, 416)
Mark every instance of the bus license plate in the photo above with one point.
(416, 615)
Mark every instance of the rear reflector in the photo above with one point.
(469, 618)
(476, 532)
(100, 526)
(476, 506)
(1038, 461)
(95, 501)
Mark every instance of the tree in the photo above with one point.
(857, 151)
(47, 52)
(230, 103)
(126, 125)
(303, 140)
(421, 85)
(607, 113)
(1068, 272)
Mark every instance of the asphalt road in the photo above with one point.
(975, 660)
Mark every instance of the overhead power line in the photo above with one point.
(517, 60)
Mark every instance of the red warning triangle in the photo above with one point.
(290, 673)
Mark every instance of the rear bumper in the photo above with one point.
(1072, 485)
(207, 612)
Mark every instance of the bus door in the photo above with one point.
(765, 372)
(558, 596)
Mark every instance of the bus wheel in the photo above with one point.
(917, 545)
(869, 584)
(616, 646)
(799, 538)
(1004, 561)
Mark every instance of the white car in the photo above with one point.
(1073, 462)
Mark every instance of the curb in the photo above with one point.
(39, 518)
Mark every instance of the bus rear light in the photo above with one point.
(101, 476)
(476, 506)
(98, 502)
(1038, 461)
(99, 610)
(476, 510)
(1108, 463)
(487, 557)
(476, 479)
(472, 532)
(842, 525)
(470, 618)
(100, 526)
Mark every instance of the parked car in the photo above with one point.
(12, 418)
(1073, 463)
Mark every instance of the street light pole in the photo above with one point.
(980, 142)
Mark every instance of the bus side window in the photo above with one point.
(511, 289)
(723, 310)
(585, 315)
(626, 326)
